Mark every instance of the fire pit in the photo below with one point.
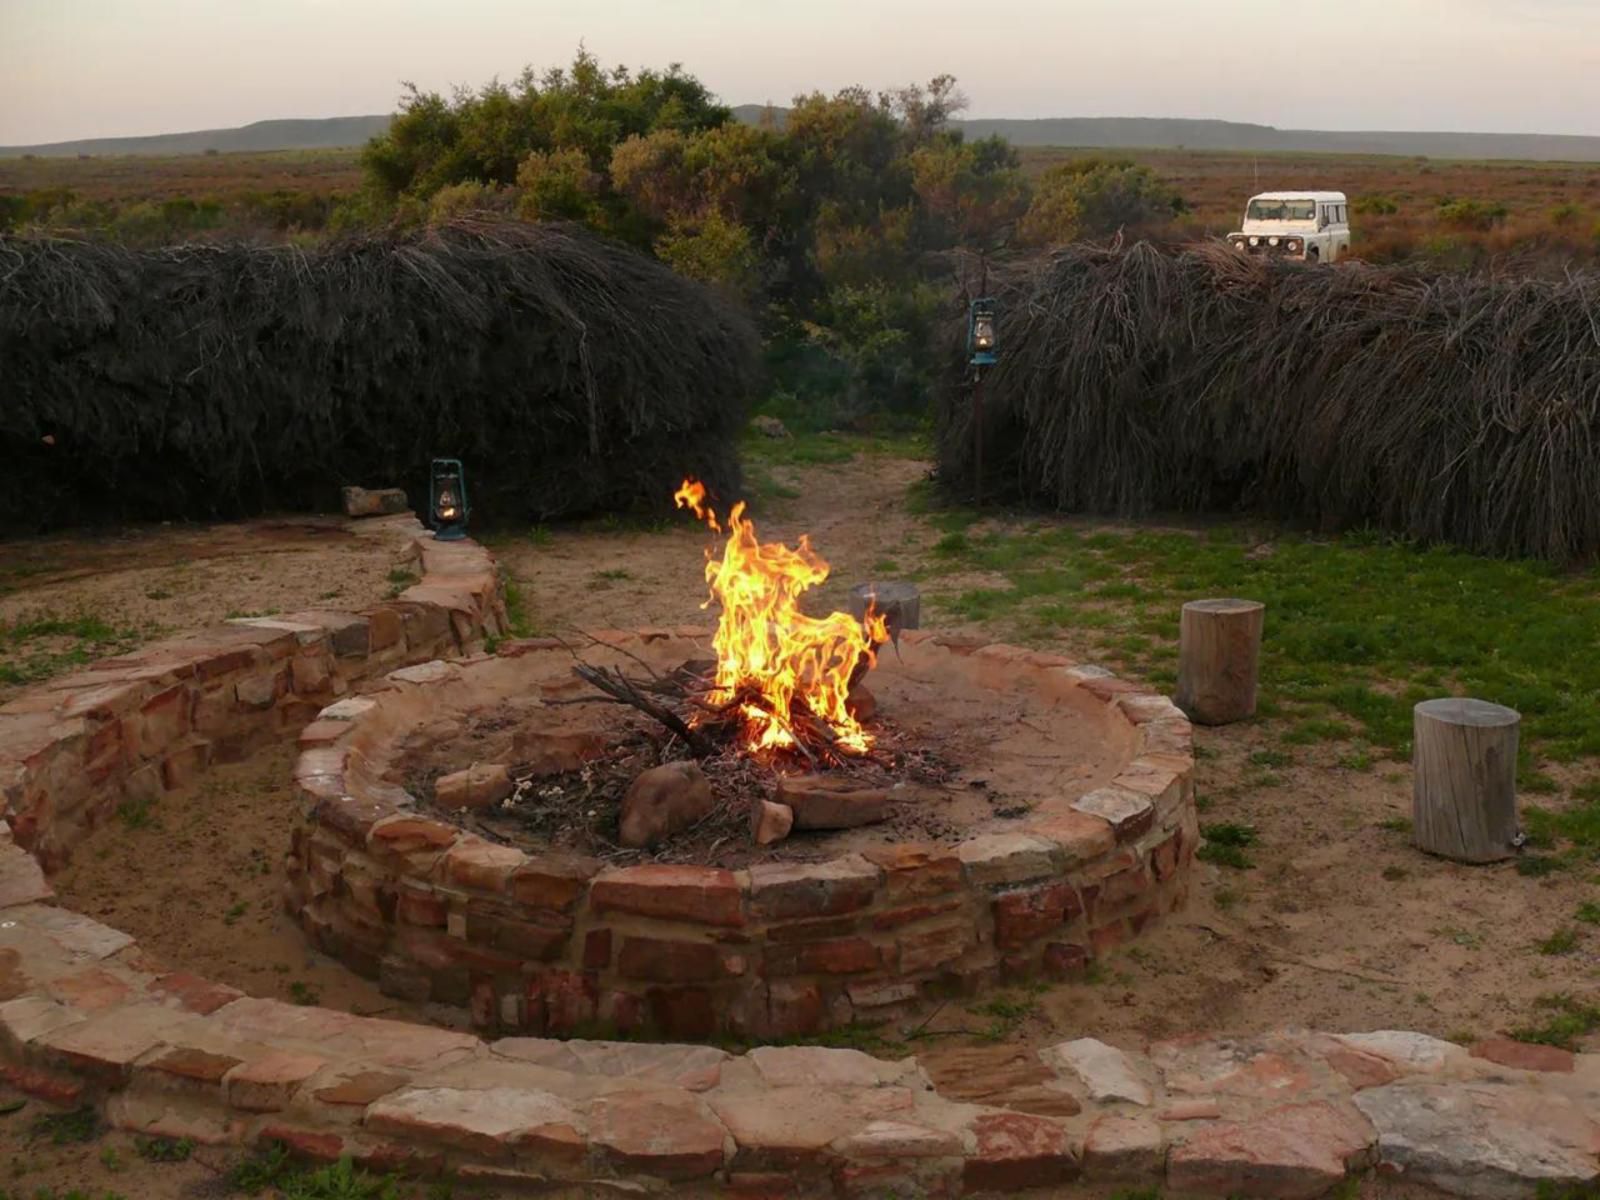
(787, 824)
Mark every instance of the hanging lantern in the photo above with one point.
(447, 496)
(982, 349)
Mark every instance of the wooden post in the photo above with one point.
(1219, 648)
(900, 604)
(1464, 800)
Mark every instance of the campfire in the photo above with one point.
(784, 675)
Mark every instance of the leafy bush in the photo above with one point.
(1093, 198)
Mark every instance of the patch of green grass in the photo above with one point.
(68, 1128)
(235, 911)
(1569, 1020)
(1318, 729)
(1395, 874)
(1537, 866)
(1225, 845)
(1006, 1013)
(163, 1150)
(135, 812)
(1271, 758)
(1227, 898)
(400, 579)
(273, 1168)
(70, 642)
(1395, 824)
(303, 993)
(519, 621)
(1588, 912)
(1562, 941)
(1359, 759)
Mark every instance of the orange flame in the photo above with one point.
(765, 644)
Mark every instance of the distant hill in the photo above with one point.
(317, 133)
(1088, 132)
(1148, 133)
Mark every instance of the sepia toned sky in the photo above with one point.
(94, 68)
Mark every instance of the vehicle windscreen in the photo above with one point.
(1282, 210)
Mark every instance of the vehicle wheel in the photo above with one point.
(1313, 255)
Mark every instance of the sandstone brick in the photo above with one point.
(1002, 858)
(475, 863)
(21, 878)
(924, 949)
(659, 960)
(193, 993)
(310, 674)
(268, 1083)
(360, 1089)
(569, 1000)
(1164, 858)
(491, 1122)
(1015, 1151)
(90, 990)
(1023, 915)
(553, 880)
(786, 891)
(836, 956)
(1287, 1153)
(1107, 937)
(814, 930)
(893, 918)
(704, 895)
(1129, 814)
(190, 1069)
(1128, 1148)
(163, 719)
(1124, 885)
(669, 1134)
(914, 870)
(108, 1045)
(317, 1145)
(1525, 1056)
(385, 628)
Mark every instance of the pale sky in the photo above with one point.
(96, 68)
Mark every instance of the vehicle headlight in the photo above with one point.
(1294, 245)
(1255, 241)
(1272, 241)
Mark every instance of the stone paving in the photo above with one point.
(87, 1017)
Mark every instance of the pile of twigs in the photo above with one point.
(1441, 407)
(569, 373)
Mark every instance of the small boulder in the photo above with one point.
(825, 802)
(479, 786)
(770, 822)
(379, 502)
(663, 800)
(545, 752)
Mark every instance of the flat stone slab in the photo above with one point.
(1108, 1073)
(1489, 1140)
(694, 1068)
(490, 1121)
(1296, 1152)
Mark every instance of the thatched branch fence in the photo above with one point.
(1446, 408)
(569, 373)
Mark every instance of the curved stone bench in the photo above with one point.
(559, 943)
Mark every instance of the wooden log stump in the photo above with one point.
(1219, 649)
(899, 603)
(1464, 799)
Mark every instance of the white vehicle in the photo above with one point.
(1314, 226)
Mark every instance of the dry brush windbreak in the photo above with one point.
(569, 373)
(1445, 408)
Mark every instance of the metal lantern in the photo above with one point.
(447, 499)
(982, 349)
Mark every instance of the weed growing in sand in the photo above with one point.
(1570, 1020)
(303, 993)
(163, 1150)
(1588, 912)
(65, 1129)
(1225, 845)
(1562, 941)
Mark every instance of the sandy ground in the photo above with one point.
(148, 582)
(1340, 925)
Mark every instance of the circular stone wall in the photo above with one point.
(1091, 851)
